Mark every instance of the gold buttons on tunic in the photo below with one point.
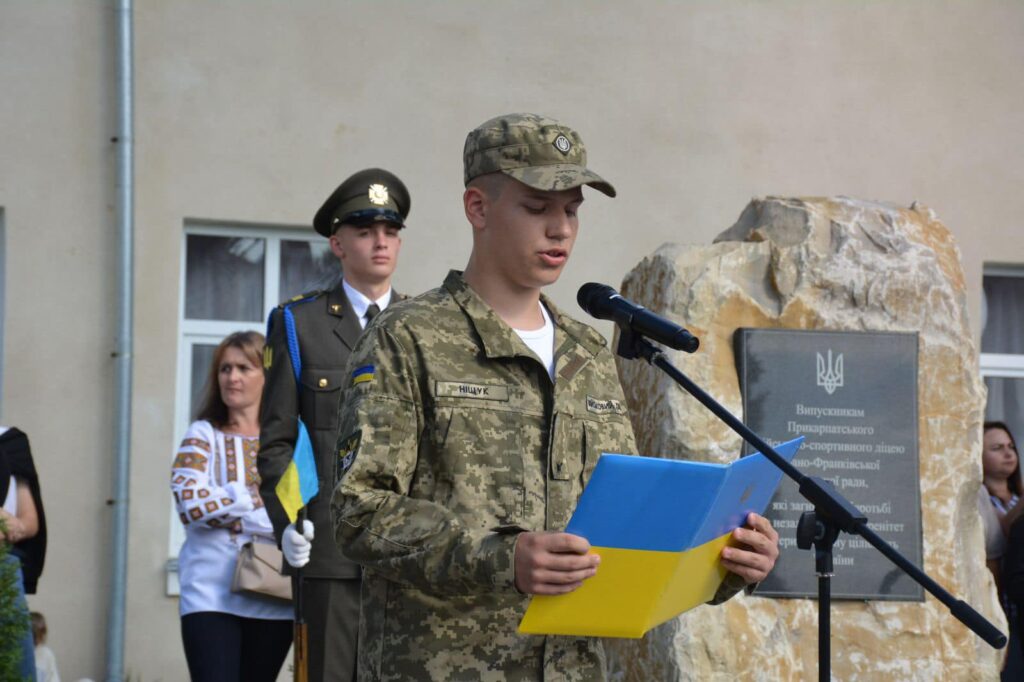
(322, 383)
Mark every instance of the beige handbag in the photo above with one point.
(258, 570)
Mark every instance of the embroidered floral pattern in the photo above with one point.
(196, 443)
(190, 460)
(198, 468)
(230, 459)
(250, 449)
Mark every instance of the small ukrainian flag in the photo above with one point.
(299, 484)
(362, 375)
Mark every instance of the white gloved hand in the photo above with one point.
(296, 546)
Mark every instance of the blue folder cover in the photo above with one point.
(672, 505)
(659, 526)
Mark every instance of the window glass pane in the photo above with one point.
(1006, 404)
(1004, 315)
(224, 278)
(202, 356)
(305, 266)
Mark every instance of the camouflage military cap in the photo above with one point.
(537, 151)
(369, 196)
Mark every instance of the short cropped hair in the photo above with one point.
(491, 184)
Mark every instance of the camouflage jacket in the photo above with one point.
(452, 440)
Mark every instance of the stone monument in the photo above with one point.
(834, 264)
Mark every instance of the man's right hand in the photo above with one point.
(552, 562)
(295, 545)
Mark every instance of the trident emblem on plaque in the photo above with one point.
(830, 376)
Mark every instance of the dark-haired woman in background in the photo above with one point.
(1000, 510)
(228, 636)
(1001, 491)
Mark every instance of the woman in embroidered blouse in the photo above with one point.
(227, 635)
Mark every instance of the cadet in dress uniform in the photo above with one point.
(472, 419)
(362, 219)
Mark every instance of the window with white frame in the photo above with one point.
(1002, 346)
(232, 277)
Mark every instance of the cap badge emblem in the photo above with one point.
(562, 144)
(378, 195)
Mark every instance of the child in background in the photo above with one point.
(46, 662)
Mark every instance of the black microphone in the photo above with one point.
(604, 303)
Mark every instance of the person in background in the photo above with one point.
(998, 503)
(228, 636)
(46, 662)
(362, 220)
(1000, 492)
(24, 526)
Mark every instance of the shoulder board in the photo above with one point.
(308, 296)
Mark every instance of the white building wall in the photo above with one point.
(255, 111)
(56, 179)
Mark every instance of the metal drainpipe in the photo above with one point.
(123, 345)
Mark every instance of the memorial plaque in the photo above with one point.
(853, 396)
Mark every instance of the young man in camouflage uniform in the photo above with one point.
(475, 415)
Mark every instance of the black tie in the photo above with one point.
(371, 312)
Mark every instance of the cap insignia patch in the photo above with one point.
(562, 144)
(378, 195)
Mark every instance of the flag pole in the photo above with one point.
(300, 660)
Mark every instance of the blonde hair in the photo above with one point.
(38, 628)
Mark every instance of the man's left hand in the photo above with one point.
(757, 548)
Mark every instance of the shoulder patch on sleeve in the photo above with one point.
(363, 374)
(347, 449)
(268, 357)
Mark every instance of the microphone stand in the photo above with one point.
(832, 514)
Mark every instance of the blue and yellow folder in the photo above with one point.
(659, 526)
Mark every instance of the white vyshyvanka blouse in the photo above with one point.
(216, 491)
